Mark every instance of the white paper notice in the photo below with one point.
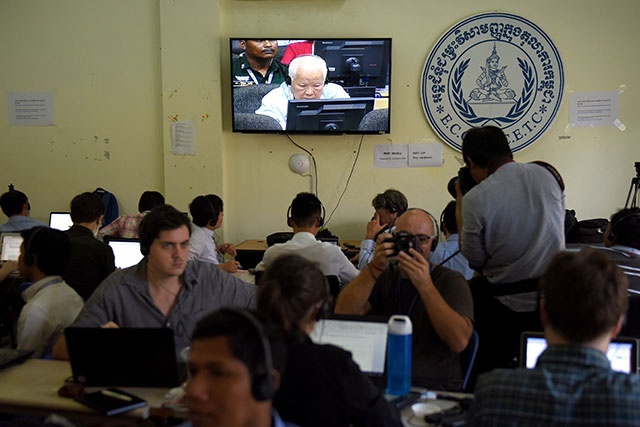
(425, 155)
(183, 137)
(30, 108)
(594, 109)
(390, 155)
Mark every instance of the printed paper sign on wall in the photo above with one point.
(493, 69)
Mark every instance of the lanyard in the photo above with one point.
(255, 79)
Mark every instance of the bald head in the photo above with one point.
(418, 223)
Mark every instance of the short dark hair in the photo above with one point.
(163, 217)
(206, 209)
(392, 200)
(12, 202)
(245, 339)
(49, 248)
(306, 209)
(486, 146)
(625, 227)
(149, 200)
(289, 288)
(448, 218)
(86, 207)
(585, 293)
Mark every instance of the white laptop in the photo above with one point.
(126, 252)
(622, 352)
(60, 220)
(10, 246)
(364, 336)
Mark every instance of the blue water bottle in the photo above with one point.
(400, 330)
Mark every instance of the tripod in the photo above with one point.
(633, 189)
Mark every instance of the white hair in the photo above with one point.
(307, 62)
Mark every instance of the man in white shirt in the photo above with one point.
(305, 216)
(51, 305)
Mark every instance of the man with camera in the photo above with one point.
(511, 224)
(400, 280)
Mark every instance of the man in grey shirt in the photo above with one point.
(163, 290)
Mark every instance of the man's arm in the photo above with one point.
(452, 328)
(368, 245)
(112, 229)
(354, 298)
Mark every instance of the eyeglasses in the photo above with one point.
(423, 239)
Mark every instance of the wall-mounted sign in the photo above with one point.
(493, 69)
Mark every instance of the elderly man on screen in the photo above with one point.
(308, 74)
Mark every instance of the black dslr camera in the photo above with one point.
(403, 242)
(466, 182)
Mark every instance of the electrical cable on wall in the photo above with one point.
(313, 159)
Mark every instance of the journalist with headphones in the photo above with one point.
(207, 213)
(235, 363)
(321, 385)
(305, 216)
(400, 280)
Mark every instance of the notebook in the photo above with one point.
(123, 357)
(622, 352)
(364, 336)
(10, 356)
(126, 251)
(10, 246)
(60, 220)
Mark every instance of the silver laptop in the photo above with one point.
(60, 220)
(126, 252)
(364, 336)
(622, 352)
(10, 246)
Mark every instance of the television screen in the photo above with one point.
(307, 86)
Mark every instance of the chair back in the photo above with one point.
(375, 120)
(247, 99)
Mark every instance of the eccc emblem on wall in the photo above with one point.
(493, 69)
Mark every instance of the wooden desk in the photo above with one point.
(250, 252)
(32, 388)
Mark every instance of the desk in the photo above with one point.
(32, 388)
(411, 420)
(250, 252)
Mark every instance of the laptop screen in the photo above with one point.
(10, 246)
(622, 352)
(364, 336)
(126, 252)
(60, 220)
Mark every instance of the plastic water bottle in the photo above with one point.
(400, 330)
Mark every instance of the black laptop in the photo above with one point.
(123, 357)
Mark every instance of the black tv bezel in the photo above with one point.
(387, 40)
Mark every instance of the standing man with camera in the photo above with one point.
(400, 280)
(511, 224)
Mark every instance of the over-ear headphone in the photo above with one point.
(214, 213)
(324, 308)
(262, 385)
(28, 257)
(436, 239)
(320, 219)
(616, 225)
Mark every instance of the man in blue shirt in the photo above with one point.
(15, 205)
(572, 384)
(448, 252)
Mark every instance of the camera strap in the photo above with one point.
(553, 171)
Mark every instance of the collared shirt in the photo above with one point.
(124, 226)
(203, 246)
(457, 262)
(330, 258)
(124, 298)
(367, 248)
(51, 305)
(571, 385)
(19, 223)
(243, 74)
(276, 103)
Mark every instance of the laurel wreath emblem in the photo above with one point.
(516, 111)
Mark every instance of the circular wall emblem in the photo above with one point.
(493, 69)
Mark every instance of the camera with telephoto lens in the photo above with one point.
(403, 242)
(466, 182)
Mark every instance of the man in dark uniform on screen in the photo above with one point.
(257, 64)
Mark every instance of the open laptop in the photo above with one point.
(622, 352)
(364, 336)
(126, 251)
(60, 220)
(123, 357)
(10, 246)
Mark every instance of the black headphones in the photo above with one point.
(436, 239)
(214, 213)
(616, 225)
(28, 257)
(262, 385)
(320, 220)
(287, 78)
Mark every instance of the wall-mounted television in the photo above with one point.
(353, 98)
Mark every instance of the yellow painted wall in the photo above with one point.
(120, 69)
